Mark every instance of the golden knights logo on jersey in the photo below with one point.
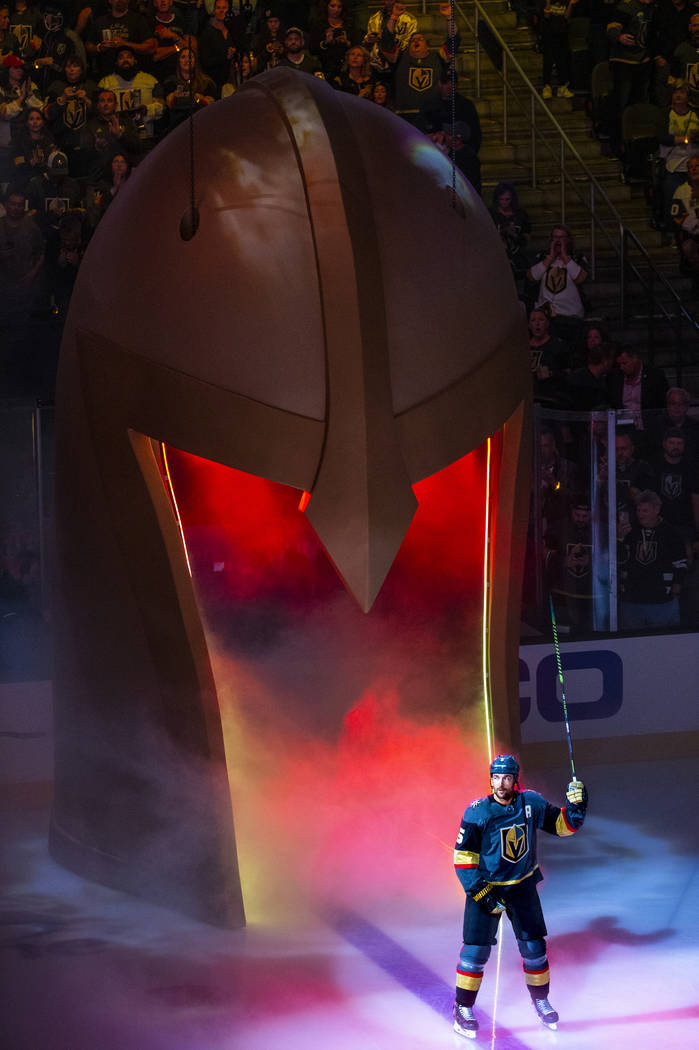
(691, 74)
(24, 36)
(514, 842)
(642, 29)
(556, 279)
(75, 114)
(578, 559)
(646, 550)
(420, 78)
(128, 100)
(671, 486)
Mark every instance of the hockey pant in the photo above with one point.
(523, 908)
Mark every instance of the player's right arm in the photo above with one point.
(467, 851)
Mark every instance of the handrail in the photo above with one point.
(597, 193)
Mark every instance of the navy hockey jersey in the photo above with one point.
(498, 842)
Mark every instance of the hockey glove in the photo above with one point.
(485, 895)
(577, 793)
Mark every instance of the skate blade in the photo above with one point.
(551, 1025)
(466, 1034)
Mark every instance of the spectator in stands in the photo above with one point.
(111, 31)
(676, 481)
(685, 61)
(382, 96)
(557, 480)
(513, 225)
(554, 15)
(586, 388)
(139, 95)
(189, 90)
(653, 563)
(18, 94)
(634, 387)
(295, 54)
(548, 357)
(569, 565)
(168, 31)
(57, 44)
(33, 144)
(559, 275)
(668, 28)
(418, 70)
(677, 145)
(356, 77)
(595, 335)
(676, 415)
(404, 25)
(52, 194)
(101, 194)
(69, 107)
(466, 141)
(9, 44)
(21, 261)
(106, 133)
(629, 56)
(332, 34)
(242, 68)
(27, 25)
(632, 475)
(221, 40)
(684, 212)
(268, 45)
(63, 261)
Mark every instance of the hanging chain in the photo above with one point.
(189, 222)
(452, 81)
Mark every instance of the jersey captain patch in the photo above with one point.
(514, 842)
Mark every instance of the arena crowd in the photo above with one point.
(87, 90)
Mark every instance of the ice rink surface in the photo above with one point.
(87, 968)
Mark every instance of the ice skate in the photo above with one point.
(546, 1013)
(464, 1021)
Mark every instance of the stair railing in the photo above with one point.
(576, 178)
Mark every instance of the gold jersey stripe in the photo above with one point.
(513, 882)
(463, 858)
(470, 982)
(536, 979)
(561, 826)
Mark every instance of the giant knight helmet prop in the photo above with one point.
(342, 321)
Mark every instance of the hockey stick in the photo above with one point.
(560, 679)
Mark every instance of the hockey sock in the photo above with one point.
(467, 985)
(538, 978)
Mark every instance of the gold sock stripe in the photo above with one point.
(470, 982)
(538, 978)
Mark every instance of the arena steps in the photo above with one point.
(511, 161)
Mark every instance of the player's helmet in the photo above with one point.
(505, 764)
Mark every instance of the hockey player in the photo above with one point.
(495, 860)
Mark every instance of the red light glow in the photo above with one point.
(341, 725)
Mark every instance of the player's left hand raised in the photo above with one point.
(577, 793)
